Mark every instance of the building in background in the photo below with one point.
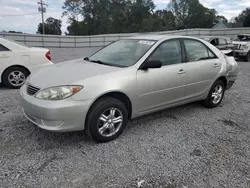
(223, 25)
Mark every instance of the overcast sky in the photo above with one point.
(29, 23)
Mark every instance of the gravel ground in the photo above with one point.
(184, 147)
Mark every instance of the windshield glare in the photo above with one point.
(123, 53)
(242, 38)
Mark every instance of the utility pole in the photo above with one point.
(42, 9)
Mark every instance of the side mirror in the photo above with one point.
(151, 64)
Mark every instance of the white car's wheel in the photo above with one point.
(15, 77)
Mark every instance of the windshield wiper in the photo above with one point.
(86, 58)
(102, 63)
(95, 61)
(98, 61)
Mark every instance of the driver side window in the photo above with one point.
(168, 53)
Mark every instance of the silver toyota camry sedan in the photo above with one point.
(124, 80)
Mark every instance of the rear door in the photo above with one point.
(202, 67)
(6, 57)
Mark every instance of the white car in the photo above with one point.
(242, 46)
(17, 61)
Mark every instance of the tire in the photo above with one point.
(247, 58)
(96, 124)
(18, 81)
(211, 101)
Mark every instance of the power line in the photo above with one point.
(42, 9)
(12, 15)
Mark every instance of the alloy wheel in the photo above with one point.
(16, 78)
(110, 122)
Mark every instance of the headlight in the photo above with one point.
(58, 93)
(244, 47)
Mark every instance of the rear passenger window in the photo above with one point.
(196, 50)
(168, 53)
(2, 48)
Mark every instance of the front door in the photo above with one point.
(163, 86)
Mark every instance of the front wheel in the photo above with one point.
(106, 120)
(215, 95)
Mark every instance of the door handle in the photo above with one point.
(181, 71)
(216, 65)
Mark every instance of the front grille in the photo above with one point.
(32, 90)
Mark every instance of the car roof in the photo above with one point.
(157, 37)
(212, 37)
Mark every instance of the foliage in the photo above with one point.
(244, 17)
(126, 16)
(19, 32)
(52, 26)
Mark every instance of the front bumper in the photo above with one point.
(240, 53)
(60, 116)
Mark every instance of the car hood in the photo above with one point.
(68, 73)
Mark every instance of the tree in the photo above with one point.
(122, 16)
(15, 32)
(52, 26)
(109, 16)
(192, 14)
(220, 18)
(163, 20)
(244, 17)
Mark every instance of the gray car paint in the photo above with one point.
(148, 90)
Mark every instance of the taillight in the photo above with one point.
(47, 55)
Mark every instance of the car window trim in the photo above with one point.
(7, 49)
(182, 53)
(208, 49)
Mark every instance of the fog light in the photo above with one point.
(51, 123)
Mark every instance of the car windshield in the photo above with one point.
(242, 38)
(123, 53)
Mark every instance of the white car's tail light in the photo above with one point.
(48, 56)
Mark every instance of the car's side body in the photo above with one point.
(144, 91)
(157, 89)
(15, 55)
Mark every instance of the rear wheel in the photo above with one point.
(215, 95)
(247, 58)
(106, 120)
(15, 77)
